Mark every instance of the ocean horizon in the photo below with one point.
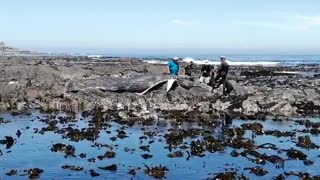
(214, 58)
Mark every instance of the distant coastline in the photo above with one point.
(234, 60)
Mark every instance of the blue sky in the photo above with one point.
(291, 26)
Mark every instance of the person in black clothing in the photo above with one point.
(188, 70)
(205, 73)
(212, 81)
(222, 75)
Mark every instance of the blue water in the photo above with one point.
(290, 60)
(32, 150)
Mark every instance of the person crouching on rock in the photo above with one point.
(188, 70)
(173, 68)
(205, 73)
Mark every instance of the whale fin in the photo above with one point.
(151, 87)
(170, 84)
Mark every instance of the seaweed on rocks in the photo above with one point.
(174, 138)
(18, 133)
(176, 154)
(89, 134)
(9, 141)
(93, 160)
(255, 127)
(225, 176)
(108, 154)
(238, 143)
(258, 170)
(93, 173)
(278, 133)
(301, 175)
(197, 148)
(279, 177)
(308, 162)
(52, 126)
(34, 173)
(145, 148)
(213, 145)
(83, 155)
(130, 151)
(69, 150)
(132, 172)
(305, 142)
(296, 154)
(158, 172)
(229, 175)
(112, 167)
(122, 134)
(234, 153)
(146, 156)
(12, 172)
(72, 168)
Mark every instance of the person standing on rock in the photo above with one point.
(173, 68)
(222, 73)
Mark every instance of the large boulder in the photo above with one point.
(238, 89)
(250, 106)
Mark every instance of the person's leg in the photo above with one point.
(217, 77)
(212, 83)
(224, 88)
(229, 87)
(201, 79)
(218, 80)
(207, 80)
(223, 81)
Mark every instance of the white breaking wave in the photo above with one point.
(94, 56)
(155, 62)
(233, 63)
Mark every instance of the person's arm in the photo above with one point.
(201, 70)
(219, 68)
(168, 68)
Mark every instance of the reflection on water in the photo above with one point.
(140, 146)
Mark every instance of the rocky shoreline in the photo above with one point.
(74, 84)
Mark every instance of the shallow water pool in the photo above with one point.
(33, 148)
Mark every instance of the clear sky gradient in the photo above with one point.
(291, 26)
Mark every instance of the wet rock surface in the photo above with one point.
(79, 83)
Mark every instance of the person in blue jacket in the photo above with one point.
(173, 67)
